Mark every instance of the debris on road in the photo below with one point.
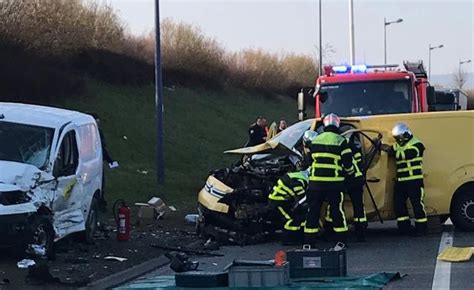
(113, 258)
(187, 251)
(180, 262)
(455, 254)
(36, 250)
(191, 218)
(25, 263)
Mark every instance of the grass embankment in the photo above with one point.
(199, 126)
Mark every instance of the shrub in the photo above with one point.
(25, 77)
(58, 27)
(112, 67)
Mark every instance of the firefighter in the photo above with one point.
(284, 197)
(355, 190)
(332, 162)
(408, 152)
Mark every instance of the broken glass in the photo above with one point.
(25, 143)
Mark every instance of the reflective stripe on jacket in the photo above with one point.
(290, 186)
(409, 160)
(332, 159)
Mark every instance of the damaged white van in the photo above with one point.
(50, 174)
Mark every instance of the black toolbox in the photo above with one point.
(308, 263)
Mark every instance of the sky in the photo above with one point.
(292, 26)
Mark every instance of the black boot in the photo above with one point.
(340, 238)
(328, 231)
(360, 232)
(421, 229)
(311, 239)
(291, 238)
(404, 227)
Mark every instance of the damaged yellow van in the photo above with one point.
(232, 204)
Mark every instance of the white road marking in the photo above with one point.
(442, 274)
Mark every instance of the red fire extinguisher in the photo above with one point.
(123, 221)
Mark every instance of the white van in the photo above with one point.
(50, 174)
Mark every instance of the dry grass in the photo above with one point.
(188, 52)
(60, 26)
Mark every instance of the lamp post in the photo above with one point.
(429, 57)
(461, 62)
(385, 24)
(159, 108)
(320, 40)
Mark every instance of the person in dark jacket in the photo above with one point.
(257, 133)
(408, 152)
(332, 162)
(105, 153)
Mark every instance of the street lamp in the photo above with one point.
(429, 57)
(387, 23)
(463, 62)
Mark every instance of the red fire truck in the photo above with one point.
(362, 90)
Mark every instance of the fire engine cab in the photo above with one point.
(362, 90)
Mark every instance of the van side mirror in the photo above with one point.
(430, 94)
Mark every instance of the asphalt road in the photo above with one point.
(384, 251)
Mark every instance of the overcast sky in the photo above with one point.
(292, 26)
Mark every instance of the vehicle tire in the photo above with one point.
(87, 235)
(462, 209)
(41, 232)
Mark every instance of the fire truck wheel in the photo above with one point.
(462, 209)
(91, 222)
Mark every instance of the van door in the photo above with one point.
(90, 171)
(67, 205)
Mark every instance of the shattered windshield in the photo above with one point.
(367, 98)
(290, 136)
(25, 143)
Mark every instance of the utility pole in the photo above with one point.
(159, 108)
(385, 24)
(320, 40)
(429, 57)
(351, 32)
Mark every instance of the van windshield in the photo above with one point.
(25, 144)
(367, 98)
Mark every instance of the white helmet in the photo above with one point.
(331, 120)
(402, 133)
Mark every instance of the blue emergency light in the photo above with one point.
(341, 69)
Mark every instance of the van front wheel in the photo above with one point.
(462, 209)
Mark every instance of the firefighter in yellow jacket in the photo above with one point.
(285, 196)
(408, 152)
(331, 163)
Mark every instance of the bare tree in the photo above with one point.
(460, 78)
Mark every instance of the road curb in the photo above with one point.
(128, 275)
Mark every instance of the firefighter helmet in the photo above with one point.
(331, 120)
(308, 137)
(402, 133)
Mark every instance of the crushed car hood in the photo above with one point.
(20, 175)
(271, 146)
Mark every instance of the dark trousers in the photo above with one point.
(416, 193)
(315, 200)
(356, 194)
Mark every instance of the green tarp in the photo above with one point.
(374, 281)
